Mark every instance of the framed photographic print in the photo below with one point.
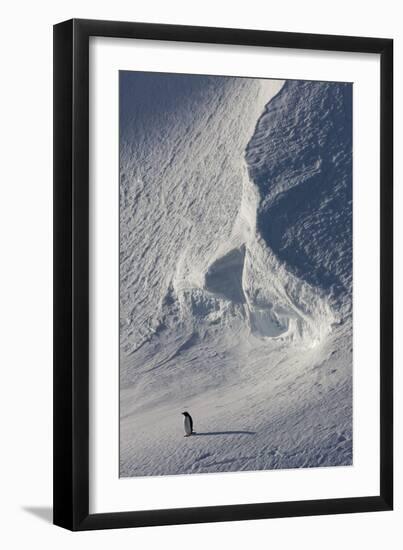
(223, 320)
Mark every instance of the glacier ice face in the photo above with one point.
(301, 160)
(235, 249)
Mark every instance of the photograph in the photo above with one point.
(235, 274)
(201, 256)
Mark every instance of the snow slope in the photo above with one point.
(235, 273)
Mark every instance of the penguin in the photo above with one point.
(187, 424)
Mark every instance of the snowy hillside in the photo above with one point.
(235, 273)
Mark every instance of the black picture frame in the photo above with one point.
(71, 274)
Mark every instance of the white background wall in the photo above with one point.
(26, 278)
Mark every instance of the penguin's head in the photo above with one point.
(185, 413)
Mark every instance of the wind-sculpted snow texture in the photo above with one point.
(300, 159)
(235, 273)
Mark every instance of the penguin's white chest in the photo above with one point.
(187, 426)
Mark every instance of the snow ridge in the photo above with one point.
(301, 160)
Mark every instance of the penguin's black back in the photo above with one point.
(191, 422)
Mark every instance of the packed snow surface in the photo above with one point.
(235, 273)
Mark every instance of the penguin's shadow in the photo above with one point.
(230, 432)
